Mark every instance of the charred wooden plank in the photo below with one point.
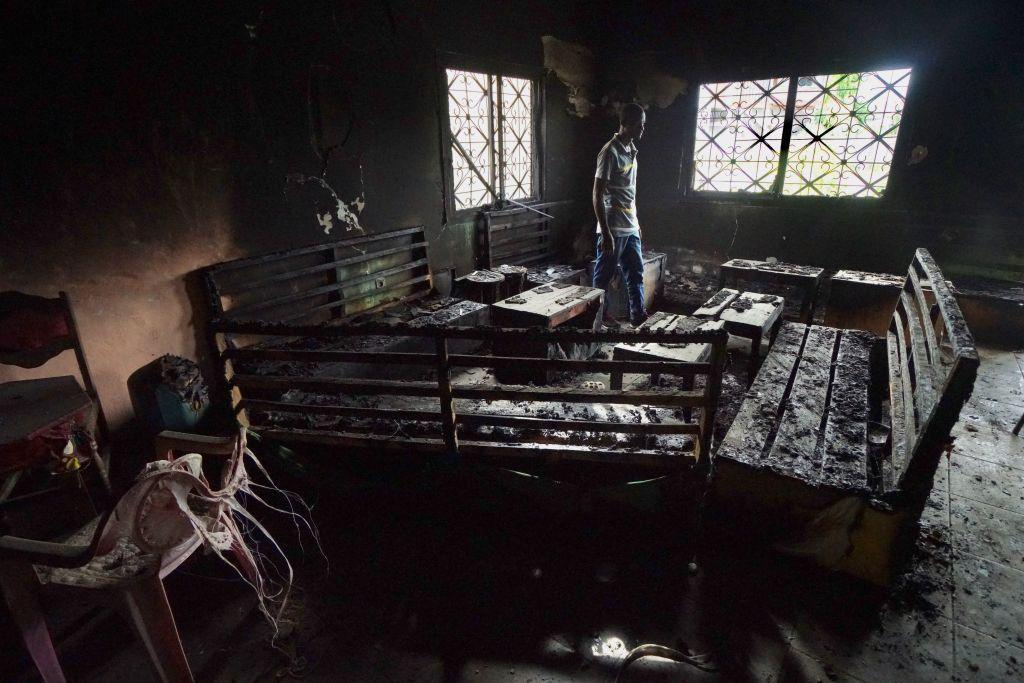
(934, 352)
(337, 385)
(263, 304)
(666, 367)
(749, 437)
(260, 282)
(312, 249)
(796, 451)
(924, 373)
(340, 303)
(845, 455)
(909, 404)
(900, 443)
(574, 395)
(960, 336)
(716, 304)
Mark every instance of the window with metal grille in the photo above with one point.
(828, 136)
(491, 124)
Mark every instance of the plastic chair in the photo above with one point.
(137, 575)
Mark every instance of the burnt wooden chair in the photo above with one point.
(41, 414)
(135, 576)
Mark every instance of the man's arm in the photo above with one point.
(607, 240)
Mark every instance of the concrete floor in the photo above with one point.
(427, 584)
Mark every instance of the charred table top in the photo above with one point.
(806, 278)
(546, 306)
(687, 353)
(746, 314)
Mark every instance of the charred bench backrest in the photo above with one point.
(516, 237)
(295, 393)
(333, 280)
(932, 366)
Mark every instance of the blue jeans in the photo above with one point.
(631, 261)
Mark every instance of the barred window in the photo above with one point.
(491, 123)
(842, 131)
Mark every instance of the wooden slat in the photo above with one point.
(796, 450)
(325, 289)
(311, 249)
(666, 367)
(575, 395)
(845, 456)
(924, 373)
(475, 419)
(258, 283)
(376, 413)
(337, 385)
(897, 394)
(910, 418)
(303, 356)
(504, 255)
(374, 327)
(535, 232)
(956, 326)
(525, 261)
(934, 352)
(549, 453)
(755, 423)
(404, 299)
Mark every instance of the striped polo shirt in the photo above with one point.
(616, 163)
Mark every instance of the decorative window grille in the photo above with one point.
(491, 119)
(842, 131)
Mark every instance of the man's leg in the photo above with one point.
(632, 261)
(604, 271)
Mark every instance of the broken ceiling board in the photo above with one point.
(845, 455)
(796, 449)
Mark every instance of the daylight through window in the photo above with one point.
(842, 134)
(491, 123)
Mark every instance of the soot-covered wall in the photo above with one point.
(147, 140)
(965, 102)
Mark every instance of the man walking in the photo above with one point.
(618, 231)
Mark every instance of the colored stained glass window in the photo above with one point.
(842, 134)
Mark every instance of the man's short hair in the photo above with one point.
(630, 113)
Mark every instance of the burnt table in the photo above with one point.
(548, 306)
(746, 314)
(806, 278)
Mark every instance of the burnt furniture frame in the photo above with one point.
(331, 281)
(807, 278)
(518, 237)
(256, 395)
(799, 453)
(49, 329)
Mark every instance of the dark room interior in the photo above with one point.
(348, 341)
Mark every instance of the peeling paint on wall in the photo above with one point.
(659, 89)
(573, 65)
(346, 212)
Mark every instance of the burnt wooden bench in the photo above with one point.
(806, 279)
(382, 275)
(837, 441)
(451, 410)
